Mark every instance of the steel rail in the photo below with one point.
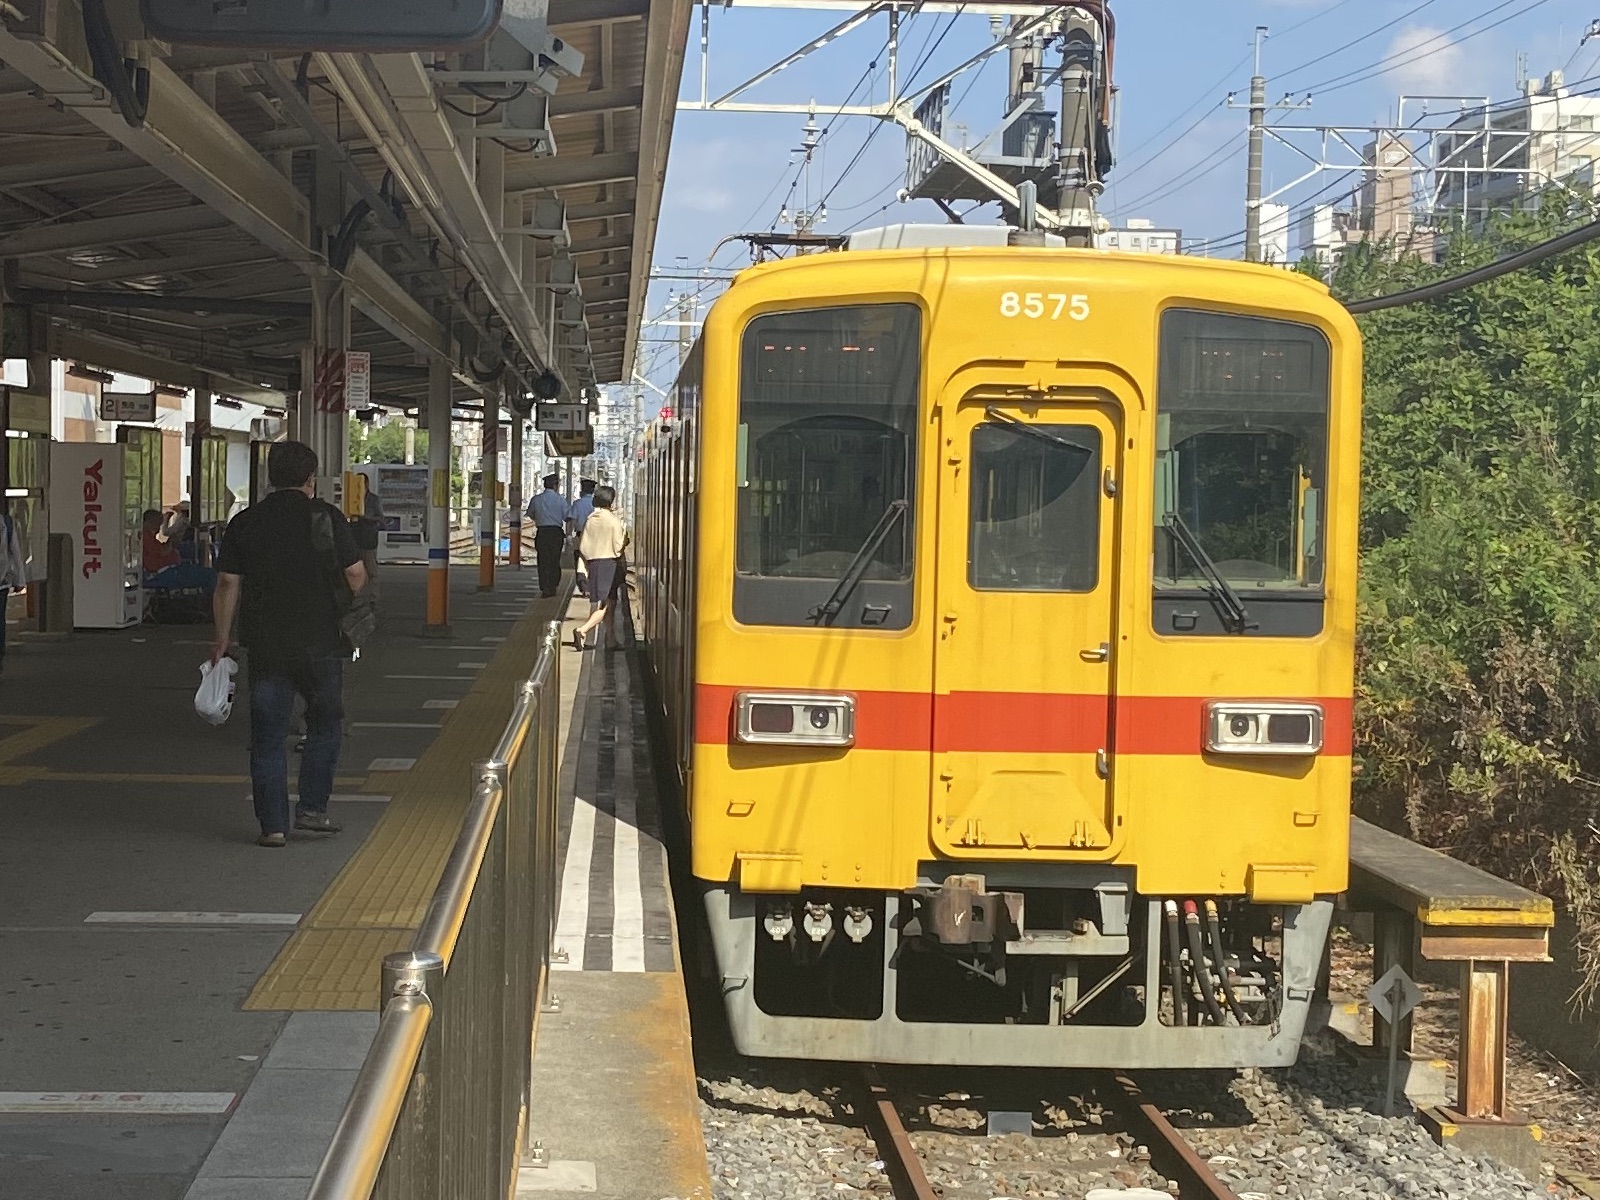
(1169, 1151)
(900, 1160)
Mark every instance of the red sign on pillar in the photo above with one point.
(491, 437)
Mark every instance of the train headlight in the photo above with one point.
(1245, 727)
(796, 719)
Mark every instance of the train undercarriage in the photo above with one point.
(1020, 965)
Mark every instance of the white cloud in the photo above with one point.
(1423, 58)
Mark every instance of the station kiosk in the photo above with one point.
(98, 494)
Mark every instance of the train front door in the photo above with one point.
(1025, 615)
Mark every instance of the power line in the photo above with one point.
(1210, 91)
(1371, 33)
(1420, 50)
(1314, 17)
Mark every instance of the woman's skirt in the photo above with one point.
(603, 577)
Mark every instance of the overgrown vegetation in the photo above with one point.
(1478, 694)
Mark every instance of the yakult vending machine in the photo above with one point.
(98, 493)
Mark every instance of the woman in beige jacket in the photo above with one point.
(604, 539)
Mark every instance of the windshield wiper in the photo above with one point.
(827, 612)
(1035, 432)
(1234, 614)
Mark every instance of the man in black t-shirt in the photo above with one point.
(284, 591)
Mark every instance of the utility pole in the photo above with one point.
(1252, 186)
(1258, 124)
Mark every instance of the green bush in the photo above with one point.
(1478, 692)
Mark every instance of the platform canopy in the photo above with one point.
(181, 212)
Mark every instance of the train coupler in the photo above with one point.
(963, 912)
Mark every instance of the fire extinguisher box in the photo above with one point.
(97, 496)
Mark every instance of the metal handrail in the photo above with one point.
(473, 980)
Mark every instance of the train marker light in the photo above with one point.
(796, 719)
(1259, 727)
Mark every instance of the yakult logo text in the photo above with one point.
(92, 483)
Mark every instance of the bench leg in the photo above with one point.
(1394, 944)
(1485, 996)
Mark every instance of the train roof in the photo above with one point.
(909, 240)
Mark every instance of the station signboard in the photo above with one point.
(560, 418)
(138, 407)
(579, 444)
(358, 378)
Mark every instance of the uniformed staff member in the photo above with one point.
(550, 516)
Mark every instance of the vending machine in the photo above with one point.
(402, 491)
(98, 495)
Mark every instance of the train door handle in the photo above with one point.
(1101, 653)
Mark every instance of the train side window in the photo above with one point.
(826, 470)
(1034, 509)
(1242, 413)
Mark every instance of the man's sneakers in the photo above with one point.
(316, 823)
(273, 840)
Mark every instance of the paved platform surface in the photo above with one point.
(138, 915)
(615, 1102)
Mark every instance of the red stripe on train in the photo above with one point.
(1020, 722)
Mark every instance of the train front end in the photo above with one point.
(1019, 655)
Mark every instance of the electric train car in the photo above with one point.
(1001, 602)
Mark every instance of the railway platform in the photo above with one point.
(186, 1014)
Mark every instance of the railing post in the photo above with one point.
(411, 1165)
(1481, 1072)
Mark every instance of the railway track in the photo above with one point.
(1169, 1152)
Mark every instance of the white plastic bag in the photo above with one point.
(213, 699)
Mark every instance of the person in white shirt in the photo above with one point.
(604, 540)
(550, 516)
(581, 508)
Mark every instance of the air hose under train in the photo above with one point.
(1197, 962)
(1214, 929)
(1180, 1007)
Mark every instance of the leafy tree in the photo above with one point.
(1478, 697)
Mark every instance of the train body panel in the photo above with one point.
(1020, 576)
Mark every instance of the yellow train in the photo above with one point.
(1001, 600)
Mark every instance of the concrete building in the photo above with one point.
(1382, 210)
(1140, 236)
(1275, 235)
(1504, 156)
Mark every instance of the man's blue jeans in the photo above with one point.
(320, 682)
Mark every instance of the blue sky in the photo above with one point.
(1180, 151)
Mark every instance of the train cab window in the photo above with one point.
(1035, 508)
(1241, 476)
(828, 403)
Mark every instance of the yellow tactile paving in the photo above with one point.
(375, 904)
(330, 968)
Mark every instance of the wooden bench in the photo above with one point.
(1427, 904)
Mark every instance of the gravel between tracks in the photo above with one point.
(786, 1131)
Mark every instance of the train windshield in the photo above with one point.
(827, 443)
(1241, 464)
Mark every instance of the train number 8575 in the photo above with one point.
(1044, 305)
